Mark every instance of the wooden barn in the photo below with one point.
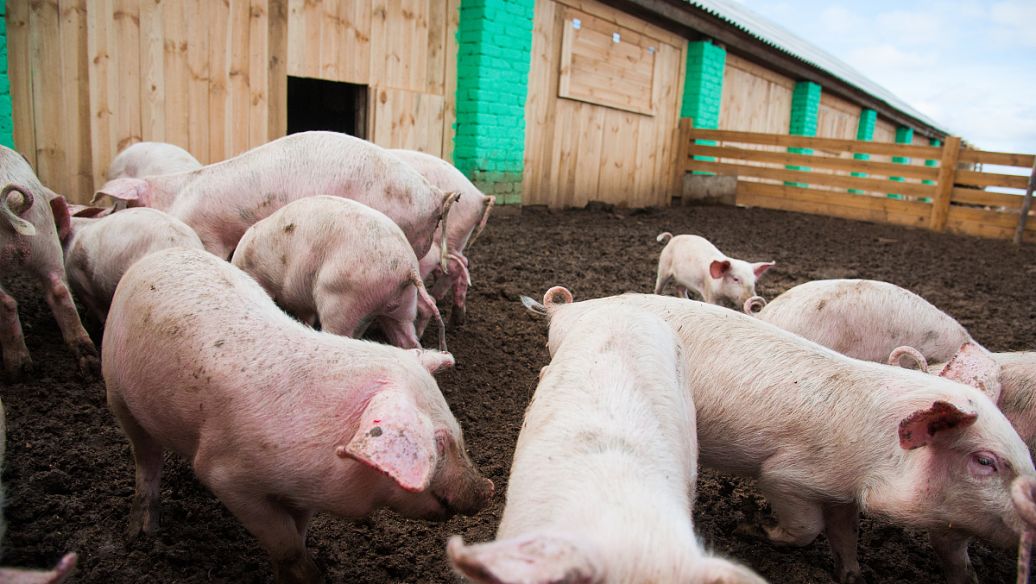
(541, 102)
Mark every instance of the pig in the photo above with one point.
(693, 263)
(221, 201)
(30, 244)
(278, 420)
(151, 159)
(828, 436)
(342, 264)
(99, 250)
(467, 220)
(65, 566)
(604, 473)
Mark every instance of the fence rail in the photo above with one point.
(942, 188)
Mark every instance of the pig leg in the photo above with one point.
(799, 521)
(681, 291)
(841, 525)
(12, 341)
(661, 282)
(338, 316)
(951, 547)
(75, 336)
(147, 455)
(460, 295)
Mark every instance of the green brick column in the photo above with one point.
(865, 133)
(904, 135)
(703, 88)
(495, 45)
(805, 109)
(6, 119)
(937, 143)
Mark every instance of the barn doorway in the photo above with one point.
(318, 104)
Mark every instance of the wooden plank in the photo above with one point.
(48, 95)
(407, 119)
(124, 88)
(98, 37)
(986, 198)
(618, 158)
(21, 78)
(753, 101)
(257, 80)
(541, 103)
(991, 179)
(450, 79)
(625, 19)
(199, 75)
(219, 81)
(944, 184)
(683, 156)
(847, 164)
(816, 143)
(238, 94)
(999, 158)
(1023, 216)
(833, 204)
(812, 178)
(152, 69)
(175, 75)
(76, 97)
(277, 37)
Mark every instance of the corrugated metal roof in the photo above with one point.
(788, 42)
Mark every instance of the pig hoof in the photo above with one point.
(457, 317)
(89, 363)
(18, 370)
(852, 578)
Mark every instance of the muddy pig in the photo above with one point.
(467, 220)
(31, 219)
(868, 320)
(99, 250)
(64, 568)
(604, 473)
(278, 420)
(220, 201)
(828, 436)
(335, 261)
(151, 159)
(693, 263)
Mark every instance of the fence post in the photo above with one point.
(1019, 233)
(683, 139)
(944, 184)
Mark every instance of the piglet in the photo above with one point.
(99, 250)
(278, 420)
(827, 436)
(31, 219)
(151, 159)
(65, 567)
(467, 220)
(342, 264)
(221, 201)
(604, 473)
(693, 263)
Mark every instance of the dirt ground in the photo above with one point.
(69, 475)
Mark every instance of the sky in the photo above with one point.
(968, 64)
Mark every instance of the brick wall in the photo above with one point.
(805, 111)
(6, 121)
(864, 132)
(495, 44)
(703, 85)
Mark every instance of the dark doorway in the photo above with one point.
(316, 104)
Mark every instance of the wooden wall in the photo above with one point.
(837, 118)
(755, 99)
(577, 151)
(405, 50)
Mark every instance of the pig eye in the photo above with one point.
(984, 463)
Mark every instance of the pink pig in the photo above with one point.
(278, 420)
(99, 250)
(467, 220)
(151, 159)
(341, 263)
(220, 201)
(693, 263)
(604, 473)
(31, 219)
(827, 436)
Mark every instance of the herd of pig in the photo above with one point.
(258, 275)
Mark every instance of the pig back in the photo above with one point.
(466, 214)
(865, 319)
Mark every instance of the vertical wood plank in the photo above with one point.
(450, 79)
(944, 184)
(152, 69)
(21, 78)
(277, 37)
(76, 97)
(124, 84)
(219, 122)
(199, 73)
(237, 83)
(99, 18)
(175, 73)
(258, 73)
(47, 93)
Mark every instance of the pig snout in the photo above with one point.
(471, 498)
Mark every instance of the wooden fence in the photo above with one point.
(937, 187)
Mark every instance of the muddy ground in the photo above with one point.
(69, 474)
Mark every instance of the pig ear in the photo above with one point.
(974, 366)
(396, 439)
(534, 557)
(62, 217)
(760, 267)
(434, 361)
(718, 269)
(132, 190)
(921, 427)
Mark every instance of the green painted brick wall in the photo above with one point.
(932, 142)
(904, 135)
(805, 110)
(703, 88)
(6, 117)
(865, 133)
(494, 47)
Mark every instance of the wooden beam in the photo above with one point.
(692, 23)
(883, 148)
(875, 185)
(1000, 158)
(828, 162)
(1024, 215)
(683, 142)
(944, 184)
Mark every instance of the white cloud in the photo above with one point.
(914, 27)
(838, 19)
